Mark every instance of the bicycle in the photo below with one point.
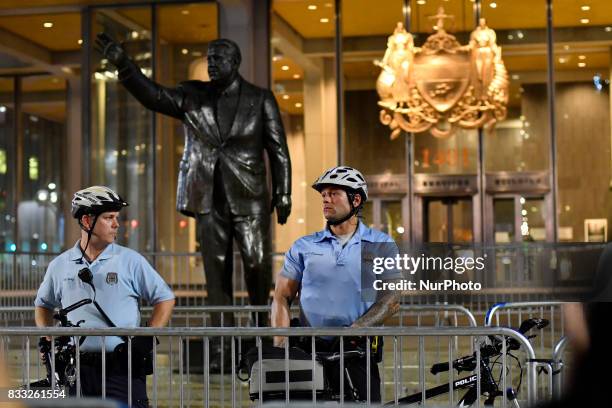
(489, 387)
(65, 352)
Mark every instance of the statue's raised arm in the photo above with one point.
(168, 101)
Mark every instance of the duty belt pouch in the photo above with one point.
(360, 343)
(376, 346)
(142, 355)
(142, 348)
(272, 377)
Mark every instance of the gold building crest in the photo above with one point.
(442, 85)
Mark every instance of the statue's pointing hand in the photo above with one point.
(110, 49)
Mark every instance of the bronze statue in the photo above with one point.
(228, 123)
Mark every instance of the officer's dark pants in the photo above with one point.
(355, 374)
(217, 231)
(355, 379)
(116, 383)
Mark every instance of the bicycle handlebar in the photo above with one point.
(468, 363)
(74, 306)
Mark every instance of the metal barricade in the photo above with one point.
(243, 316)
(21, 274)
(515, 312)
(199, 316)
(206, 389)
(559, 365)
(512, 313)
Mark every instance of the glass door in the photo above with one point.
(386, 214)
(516, 219)
(519, 219)
(448, 219)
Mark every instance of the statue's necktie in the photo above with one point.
(227, 105)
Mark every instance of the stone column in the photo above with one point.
(73, 162)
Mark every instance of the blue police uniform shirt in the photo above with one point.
(121, 277)
(330, 276)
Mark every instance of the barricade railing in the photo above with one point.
(243, 316)
(515, 312)
(21, 274)
(510, 314)
(453, 315)
(559, 365)
(209, 335)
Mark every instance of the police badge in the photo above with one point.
(111, 278)
(442, 85)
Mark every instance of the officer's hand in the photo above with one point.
(44, 347)
(279, 341)
(110, 49)
(282, 203)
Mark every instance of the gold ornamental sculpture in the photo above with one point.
(442, 85)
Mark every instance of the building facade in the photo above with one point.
(542, 174)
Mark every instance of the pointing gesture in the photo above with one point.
(110, 49)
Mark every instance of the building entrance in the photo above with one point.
(517, 218)
(448, 219)
(518, 208)
(385, 213)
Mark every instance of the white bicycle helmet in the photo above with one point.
(96, 200)
(343, 176)
(351, 180)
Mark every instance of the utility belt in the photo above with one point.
(93, 359)
(332, 344)
(117, 361)
(114, 365)
(350, 343)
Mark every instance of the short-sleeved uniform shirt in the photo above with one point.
(330, 276)
(121, 277)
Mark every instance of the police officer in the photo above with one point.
(121, 278)
(325, 268)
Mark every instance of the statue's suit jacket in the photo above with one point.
(238, 156)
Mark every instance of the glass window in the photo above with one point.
(457, 154)
(184, 31)
(304, 83)
(391, 219)
(121, 141)
(366, 141)
(288, 88)
(367, 214)
(504, 218)
(32, 147)
(7, 166)
(582, 34)
(533, 213)
(448, 219)
(521, 142)
(41, 220)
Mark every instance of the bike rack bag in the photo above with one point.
(273, 366)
